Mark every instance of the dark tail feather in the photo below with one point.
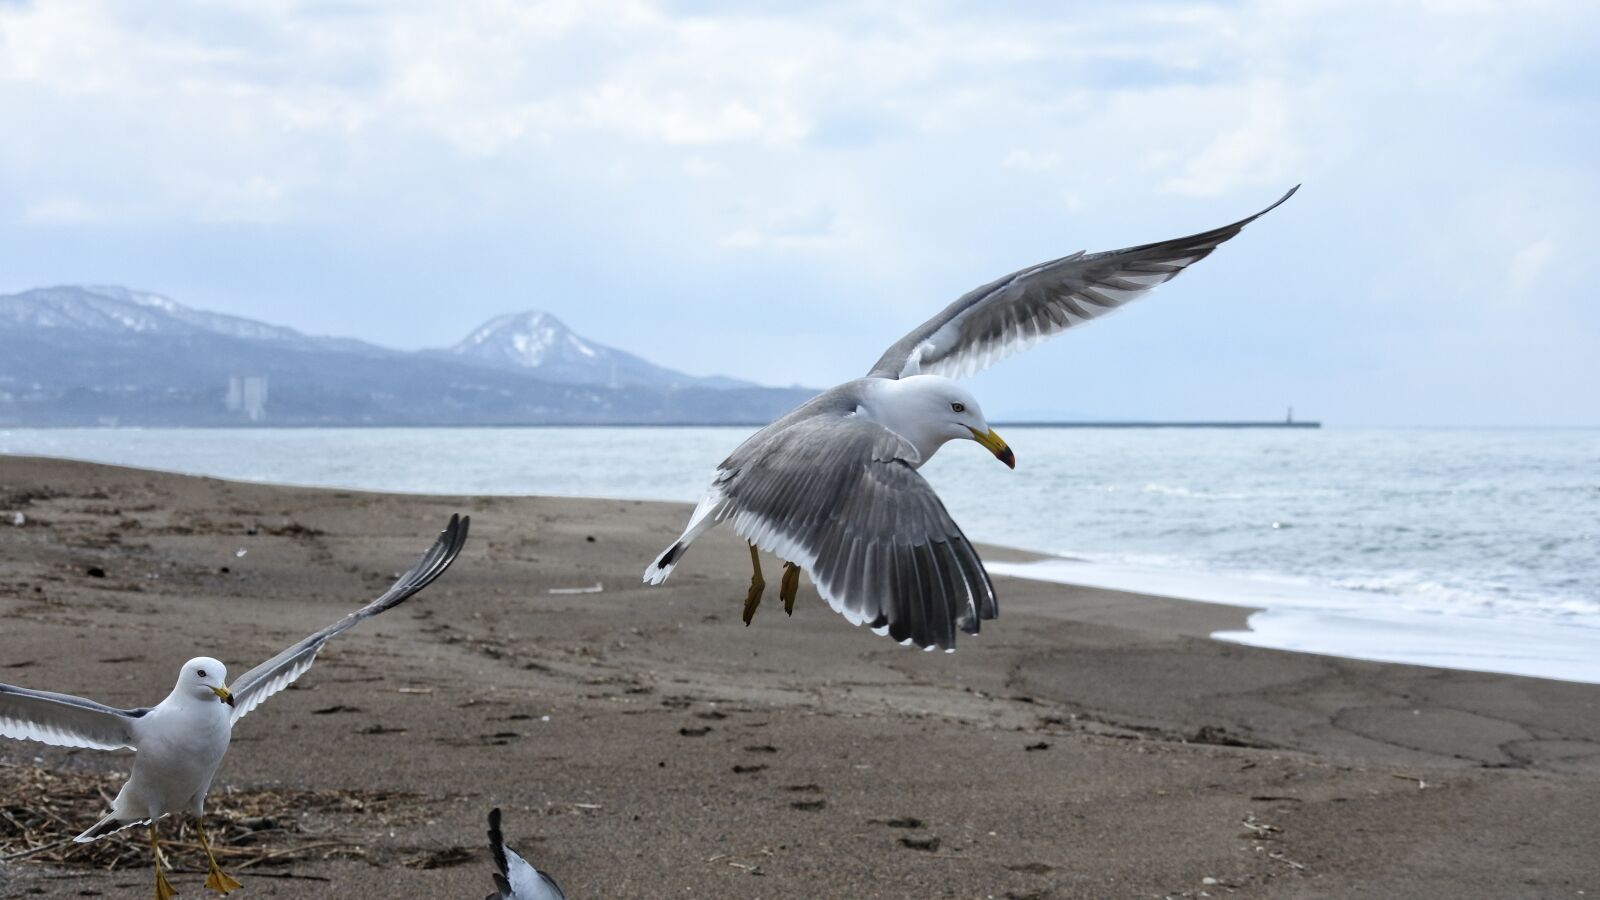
(662, 567)
(670, 557)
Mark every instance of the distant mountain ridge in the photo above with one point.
(100, 354)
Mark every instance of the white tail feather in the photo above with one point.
(707, 514)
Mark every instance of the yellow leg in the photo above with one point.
(789, 587)
(218, 880)
(164, 889)
(757, 585)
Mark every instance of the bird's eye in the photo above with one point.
(959, 407)
(200, 672)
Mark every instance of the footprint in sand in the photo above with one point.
(812, 805)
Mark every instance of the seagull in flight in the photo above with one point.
(832, 487)
(181, 740)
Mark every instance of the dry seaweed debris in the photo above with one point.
(41, 810)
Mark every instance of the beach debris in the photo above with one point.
(239, 553)
(1042, 745)
(18, 519)
(95, 572)
(42, 809)
(554, 808)
(1421, 784)
(1298, 867)
(733, 859)
(595, 588)
(928, 844)
(1260, 830)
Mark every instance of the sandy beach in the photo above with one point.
(644, 743)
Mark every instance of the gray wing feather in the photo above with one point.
(253, 687)
(1015, 312)
(837, 495)
(64, 720)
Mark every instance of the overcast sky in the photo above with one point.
(778, 191)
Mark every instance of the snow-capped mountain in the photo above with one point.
(542, 344)
(87, 355)
(113, 310)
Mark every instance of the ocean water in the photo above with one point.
(1475, 549)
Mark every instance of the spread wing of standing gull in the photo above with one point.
(180, 741)
(832, 487)
(514, 878)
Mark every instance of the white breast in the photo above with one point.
(181, 744)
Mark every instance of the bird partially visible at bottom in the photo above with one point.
(515, 878)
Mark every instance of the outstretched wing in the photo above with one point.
(253, 687)
(64, 720)
(1025, 307)
(837, 495)
(516, 878)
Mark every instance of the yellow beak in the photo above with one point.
(993, 443)
(223, 694)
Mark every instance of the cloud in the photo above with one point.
(1528, 269)
(1258, 150)
(854, 165)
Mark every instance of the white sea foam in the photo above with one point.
(1442, 631)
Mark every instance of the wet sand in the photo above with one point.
(1087, 744)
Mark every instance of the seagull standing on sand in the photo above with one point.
(181, 740)
(516, 879)
(832, 487)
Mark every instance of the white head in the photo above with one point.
(203, 678)
(930, 410)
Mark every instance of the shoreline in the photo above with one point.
(1089, 743)
(1285, 614)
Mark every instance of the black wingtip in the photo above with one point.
(497, 841)
(460, 525)
(1279, 202)
(452, 540)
